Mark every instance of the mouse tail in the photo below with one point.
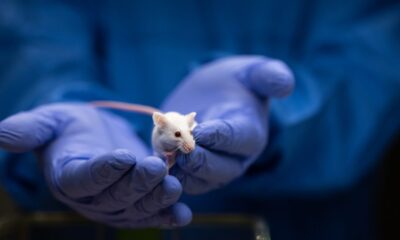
(130, 107)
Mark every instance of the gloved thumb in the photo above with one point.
(26, 131)
(267, 78)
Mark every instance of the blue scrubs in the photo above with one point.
(325, 138)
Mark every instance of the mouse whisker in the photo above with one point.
(175, 149)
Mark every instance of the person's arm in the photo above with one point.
(323, 138)
(46, 56)
(343, 112)
(92, 160)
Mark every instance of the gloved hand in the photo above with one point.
(95, 164)
(231, 97)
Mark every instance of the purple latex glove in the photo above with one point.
(230, 96)
(95, 164)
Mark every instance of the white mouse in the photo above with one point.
(172, 131)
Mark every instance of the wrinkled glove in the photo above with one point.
(231, 97)
(95, 164)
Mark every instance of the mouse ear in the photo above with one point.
(190, 118)
(159, 119)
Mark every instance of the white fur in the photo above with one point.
(165, 126)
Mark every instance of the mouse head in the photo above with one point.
(175, 130)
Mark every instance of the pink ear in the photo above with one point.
(159, 119)
(190, 118)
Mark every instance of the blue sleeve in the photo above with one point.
(46, 56)
(344, 111)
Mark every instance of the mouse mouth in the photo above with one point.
(186, 148)
(169, 147)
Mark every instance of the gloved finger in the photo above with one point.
(194, 185)
(265, 77)
(140, 180)
(177, 215)
(238, 134)
(80, 177)
(210, 166)
(163, 196)
(27, 130)
(68, 122)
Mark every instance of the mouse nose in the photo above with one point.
(187, 148)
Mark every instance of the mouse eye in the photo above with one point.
(191, 132)
(177, 134)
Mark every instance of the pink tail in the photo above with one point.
(125, 107)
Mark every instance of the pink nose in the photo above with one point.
(188, 148)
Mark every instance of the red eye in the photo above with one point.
(177, 134)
